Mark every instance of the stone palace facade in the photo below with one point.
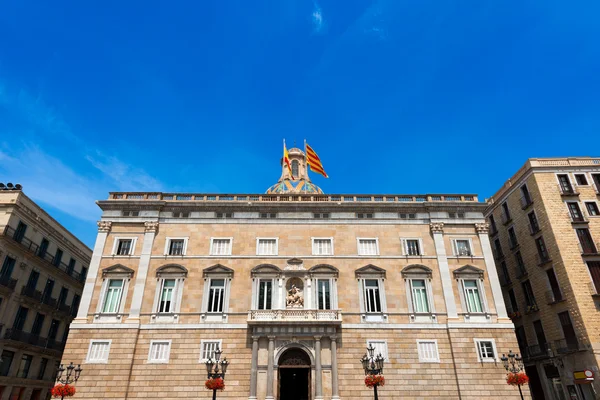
(292, 285)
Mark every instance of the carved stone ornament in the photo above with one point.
(437, 227)
(151, 226)
(482, 228)
(104, 226)
(295, 293)
(295, 264)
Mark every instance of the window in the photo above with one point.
(165, 304)
(169, 289)
(505, 214)
(20, 232)
(456, 215)
(98, 351)
(565, 185)
(371, 293)
(472, 296)
(7, 359)
(380, 348)
(462, 247)
(112, 298)
(124, 246)
(568, 331)
(512, 238)
(408, 215)
(575, 212)
(75, 304)
(47, 294)
(216, 295)
(540, 335)
(33, 280)
(57, 257)
(42, 369)
(220, 247)
(586, 241)
(528, 293)
(592, 208)
(53, 331)
(224, 215)
(321, 215)
(322, 246)
(62, 297)
(514, 306)
(323, 294)
(554, 286)
(43, 248)
(581, 179)
(7, 267)
(71, 266)
(486, 350)
(428, 351)
(498, 249)
(525, 197)
(594, 268)
(521, 338)
(176, 246)
(208, 348)
(265, 294)
(180, 214)
(420, 299)
(368, 247)
(542, 250)
(268, 215)
(412, 247)
(38, 322)
(493, 228)
(20, 318)
(520, 264)
(364, 215)
(130, 213)
(505, 277)
(24, 366)
(533, 223)
(267, 246)
(159, 351)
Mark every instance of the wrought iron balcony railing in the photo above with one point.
(32, 339)
(8, 282)
(567, 345)
(295, 315)
(537, 351)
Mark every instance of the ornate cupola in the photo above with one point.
(301, 183)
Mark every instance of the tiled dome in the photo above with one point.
(299, 186)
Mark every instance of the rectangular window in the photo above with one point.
(53, 331)
(98, 351)
(493, 228)
(181, 214)
(528, 293)
(265, 289)
(129, 213)
(20, 318)
(472, 296)
(208, 348)
(512, 238)
(7, 359)
(62, 296)
(24, 366)
(75, 305)
(38, 322)
(216, 295)
(554, 286)
(167, 302)
(419, 296)
(266, 247)
(533, 223)
(521, 338)
(323, 294)
(428, 351)
(505, 214)
(57, 257)
(224, 215)
(575, 212)
(581, 179)
(542, 250)
(321, 215)
(322, 247)
(372, 299)
(565, 184)
(539, 333)
(486, 350)
(33, 280)
(220, 247)
(568, 330)
(47, 294)
(380, 348)
(520, 264)
(368, 247)
(498, 249)
(159, 351)
(594, 267)
(42, 369)
(176, 247)
(268, 215)
(525, 197)
(462, 248)
(43, 248)
(407, 216)
(124, 247)
(586, 241)
(112, 298)
(412, 247)
(513, 301)
(71, 266)
(364, 215)
(7, 267)
(592, 208)
(505, 277)
(20, 232)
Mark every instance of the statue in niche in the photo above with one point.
(295, 294)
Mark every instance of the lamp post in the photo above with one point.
(513, 364)
(213, 370)
(71, 376)
(373, 365)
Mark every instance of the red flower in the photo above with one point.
(517, 379)
(374, 380)
(62, 391)
(214, 384)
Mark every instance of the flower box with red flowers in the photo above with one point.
(62, 391)
(215, 384)
(374, 380)
(518, 379)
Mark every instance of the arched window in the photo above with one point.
(295, 165)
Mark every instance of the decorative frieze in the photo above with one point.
(104, 226)
(437, 227)
(151, 226)
(482, 228)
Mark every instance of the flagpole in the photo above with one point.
(305, 158)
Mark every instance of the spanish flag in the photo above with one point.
(314, 161)
(286, 160)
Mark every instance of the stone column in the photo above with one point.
(270, 370)
(90, 280)
(254, 368)
(142, 273)
(490, 266)
(318, 373)
(437, 229)
(335, 391)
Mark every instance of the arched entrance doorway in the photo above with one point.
(294, 375)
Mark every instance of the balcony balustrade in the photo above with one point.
(537, 351)
(34, 340)
(567, 345)
(8, 282)
(295, 315)
(31, 293)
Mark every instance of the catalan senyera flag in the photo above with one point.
(314, 161)
(286, 160)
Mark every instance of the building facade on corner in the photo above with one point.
(545, 230)
(292, 286)
(43, 269)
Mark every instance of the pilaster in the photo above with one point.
(490, 266)
(437, 230)
(150, 229)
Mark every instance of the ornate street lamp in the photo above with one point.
(373, 366)
(70, 377)
(513, 364)
(216, 368)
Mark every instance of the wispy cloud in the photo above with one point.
(125, 176)
(317, 18)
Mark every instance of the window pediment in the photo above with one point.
(117, 270)
(266, 269)
(171, 269)
(324, 269)
(217, 269)
(416, 270)
(370, 271)
(468, 271)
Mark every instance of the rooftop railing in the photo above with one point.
(295, 315)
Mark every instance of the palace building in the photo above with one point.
(545, 229)
(292, 285)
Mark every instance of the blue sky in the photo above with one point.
(396, 96)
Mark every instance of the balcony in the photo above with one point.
(567, 190)
(513, 314)
(8, 282)
(564, 346)
(537, 351)
(295, 316)
(34, 340)
(553, 297)
(526, 201)
(531, 308)
(32, 293)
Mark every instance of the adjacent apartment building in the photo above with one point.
(43, 270)
(292, 286)
(545, 232)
